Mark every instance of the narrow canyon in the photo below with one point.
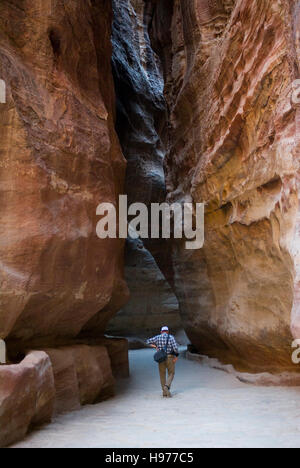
(165, 101)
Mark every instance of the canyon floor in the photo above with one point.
(209, 408)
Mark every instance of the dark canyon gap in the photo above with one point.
(141, 110)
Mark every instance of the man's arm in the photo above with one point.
(175, 348)
(152, 342)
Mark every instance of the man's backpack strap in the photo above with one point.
(166, 347)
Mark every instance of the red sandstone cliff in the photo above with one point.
(60, 158)
(231, 135)
(234, 144)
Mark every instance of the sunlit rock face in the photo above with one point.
(141, 110)
(60, 158)
(234, 144)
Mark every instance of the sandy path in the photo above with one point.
(209, 409)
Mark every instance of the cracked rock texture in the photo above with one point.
(233, 132)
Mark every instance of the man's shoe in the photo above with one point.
(167, 391)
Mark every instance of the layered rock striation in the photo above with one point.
(230, 68)
(206, 110)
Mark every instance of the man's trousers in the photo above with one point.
(168, 365)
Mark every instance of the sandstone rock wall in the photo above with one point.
(26, 396)
(56, 380)
(152, 302)
(60, 158)
(229, 70)
(228, 133)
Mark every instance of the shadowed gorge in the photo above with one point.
(141, 109)
(176, 101)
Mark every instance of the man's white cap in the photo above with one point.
(165, 329)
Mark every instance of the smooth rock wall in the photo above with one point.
(60, 158)
(57, 380)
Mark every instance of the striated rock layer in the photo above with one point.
(60, 158)
(234, 144)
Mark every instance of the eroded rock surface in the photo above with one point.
(82, 375)
(229, 70)
(57, 380)
(60, 158)
(27, 395)
(230, 131)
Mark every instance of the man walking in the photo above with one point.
(159, 342)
